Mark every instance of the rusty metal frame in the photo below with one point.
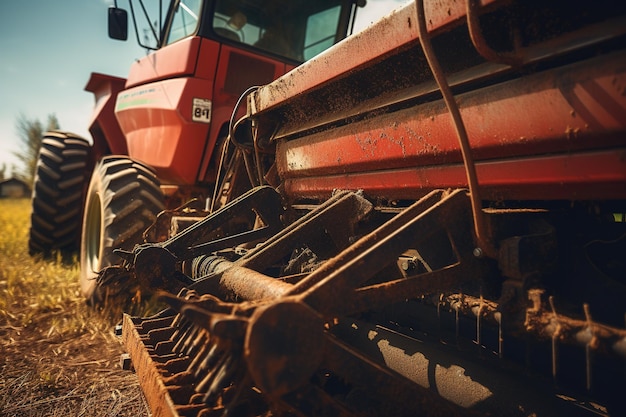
(155, 265)
(204, 321)
(150, 379)
(332, 288)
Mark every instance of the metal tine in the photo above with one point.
(210, 360)
(183, 324)
(202, 311)
(183, 294)
(191, 336)
(242, 384)
(175, 323)
(199, 358)
(194, 341)
(222, 379)
(207, 381)
(498, 316)
(197, 343)
(184, 327)
(555, 338)
(205, 302)
(588, 347)
(180, 324)
(189, 330)
(205, 356)
(226, 332)
(211, 324)
(180, 331)
(227, 327)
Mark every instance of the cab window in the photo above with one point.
(184, 20)
(321, 29)
(297, 29)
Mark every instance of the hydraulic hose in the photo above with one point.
(485, 245)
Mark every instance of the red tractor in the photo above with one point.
(158, 135)
(425, 219)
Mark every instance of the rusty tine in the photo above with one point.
(243, 383)
(183, 337)
(588, 346)
(196, 343)
(478, 312)
(193, 340)
(207, 381)
(194, 333)
(455, 307)
(209, 361)
(439, 302)
(181, 326)
(222, 378)
(176, 321)
(498, 316)
(555, 337)
(203, 352)
(181, 322)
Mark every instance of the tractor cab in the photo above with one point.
(292, 30)
(202, 55)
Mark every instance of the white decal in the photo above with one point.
(201, 111)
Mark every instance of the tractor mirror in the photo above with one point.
(118, 24)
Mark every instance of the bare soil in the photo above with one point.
(44, 374)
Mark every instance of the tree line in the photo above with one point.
(30, 133)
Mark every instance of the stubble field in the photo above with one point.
(58, 356)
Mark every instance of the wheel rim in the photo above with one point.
(93, 229)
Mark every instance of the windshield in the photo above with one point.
(184, 20)
(297, 30)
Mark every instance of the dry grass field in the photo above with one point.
(58, 357)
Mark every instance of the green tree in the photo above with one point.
(3, 172)
(30, 132)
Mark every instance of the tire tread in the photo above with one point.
(60, 179)
(131, 198)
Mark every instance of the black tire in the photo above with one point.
(61, 177)
(123, 199)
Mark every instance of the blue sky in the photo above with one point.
(48, 49)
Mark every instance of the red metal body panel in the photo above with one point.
(575, 115)
(398, 27)
(584, 176)
(559, 133)
(177, 59)
(235, 71)
(103, 126)
(208, 51)
(157, 121)
(156, 114)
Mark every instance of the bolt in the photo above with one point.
(125, 362)
(478, 252)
